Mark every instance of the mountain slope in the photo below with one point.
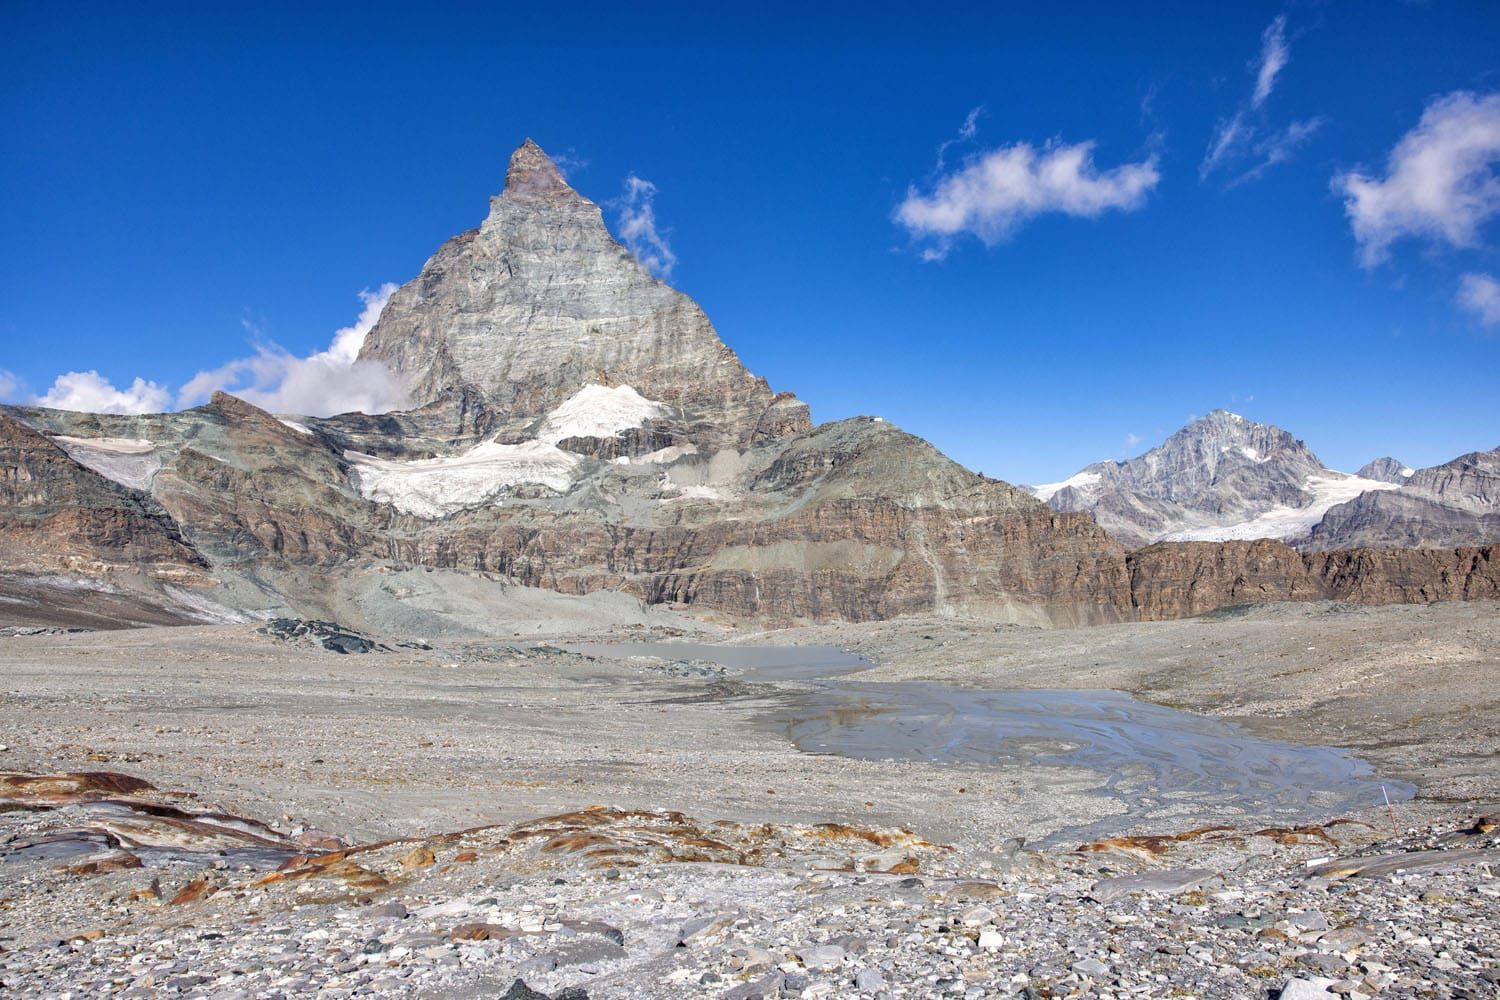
(1221, 477)
(1456, 503)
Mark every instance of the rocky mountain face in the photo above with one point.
(541, 300)
(1221, 477)
(577, 426)
(1455, 503)
(1386, 470)
(1178, 579)
(58, 515)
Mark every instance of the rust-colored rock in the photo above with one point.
(417, 857)
(1180, 579)
(62, 789)
(198, 889)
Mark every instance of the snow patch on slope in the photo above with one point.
(1283, 522)
(131, 462)
(436, 487)
(599, 411)
(1046, 491)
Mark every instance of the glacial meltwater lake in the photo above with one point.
(1156, 760)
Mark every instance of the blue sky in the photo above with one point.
(180, 183)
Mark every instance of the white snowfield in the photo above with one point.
(131, 462)
(600, 411)
(1286, 523)
(1046, 491)
(299, 428)
(436, 487)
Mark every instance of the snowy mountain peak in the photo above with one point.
(1221, 476)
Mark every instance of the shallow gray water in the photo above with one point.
(1156, 760)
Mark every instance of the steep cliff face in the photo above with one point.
(1455, 503)
(540, 300)
(56, 515)
(1180, 579)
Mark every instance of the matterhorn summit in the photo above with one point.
(540, 301)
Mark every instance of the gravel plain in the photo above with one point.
(291, 819)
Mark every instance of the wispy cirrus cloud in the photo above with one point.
(1440, 181)
(994, 193)
(1274, 55)
(635, 213)
(1480, 294)
(11, 386)
(1243, 144)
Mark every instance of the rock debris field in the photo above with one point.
(223, 812)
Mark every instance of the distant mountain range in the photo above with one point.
(577, 426)
(1223, 478)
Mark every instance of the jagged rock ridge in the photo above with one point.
(1456, 503)
(1221, 477)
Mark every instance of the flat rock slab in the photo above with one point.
(1411, 862)
(1163, 883)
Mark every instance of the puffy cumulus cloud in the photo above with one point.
(1440, 181)
(91, 392)
(1274, 55)
(995, 193)
(322, 384)
(1480, 294)
(636, 218)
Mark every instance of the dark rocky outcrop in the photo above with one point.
(1180, 579)
(56, 515)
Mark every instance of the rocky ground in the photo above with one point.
(275, 818)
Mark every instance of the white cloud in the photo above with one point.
(1278, 147)
(1274, 55)
(10, 386)
(1244, 141)
(995, 193)
(1480, 293)
(329, 382)
(637, 222)
(966, 133)
(1229, 138)
(1132, 439)
(1440, 181)
(91, 392)
(971, 123)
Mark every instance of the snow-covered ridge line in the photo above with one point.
(1046, 491)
